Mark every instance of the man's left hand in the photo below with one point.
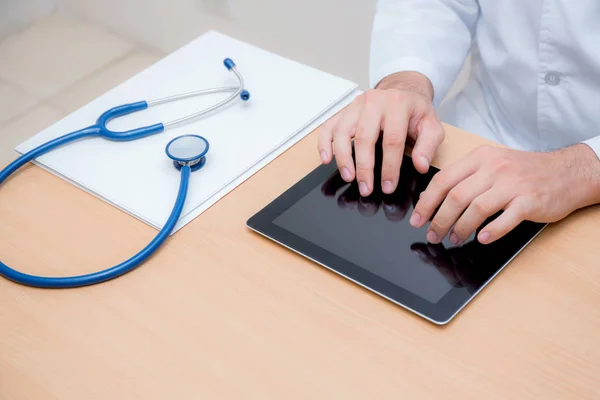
(539, 187)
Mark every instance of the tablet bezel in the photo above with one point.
(439, 313)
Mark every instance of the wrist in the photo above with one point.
(409, 81)
(582, 168)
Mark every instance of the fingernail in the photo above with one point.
(432, 237)
(415, 219)
(425, 161)
(345, 174)
(363, 189)
(387, 187)
(324, 156)
(454, 238)
(484, 237)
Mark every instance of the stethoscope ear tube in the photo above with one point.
(110, 273)
(236, 91)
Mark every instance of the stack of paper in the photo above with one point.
(287, 101)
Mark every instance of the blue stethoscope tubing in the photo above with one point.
(110, 273)
(186, 166)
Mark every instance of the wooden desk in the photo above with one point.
(221, 312)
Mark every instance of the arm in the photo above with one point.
(432, 37)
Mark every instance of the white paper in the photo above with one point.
(287, 100)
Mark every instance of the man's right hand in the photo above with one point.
(400, 107)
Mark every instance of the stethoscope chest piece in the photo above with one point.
(188, 150)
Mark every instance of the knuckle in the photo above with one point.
(441, 131)
(394, 141)
(363, 140)
(370, 95)
(327, 125)
(427, 202)
(359, 100)
(397, 96)
(343, 159)
(326, 129)
(456, 196)
(525, 207)
(462, 230)
(439, 180)
(364, 175)
(484, 151)
(324, 135)
(321, 142)
(341, 152)
(388, 171)
(437, 132)
(438, 226)
(364, 171)
(365, 164)
(480, 208)
(501, 163)
(338, 133)
(421, 104)
(486, 148)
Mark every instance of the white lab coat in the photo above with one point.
(535, 81)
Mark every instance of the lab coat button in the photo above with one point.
(552, 78)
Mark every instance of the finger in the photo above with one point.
(455, 203)
(394, 137)
(506, 222)
(429, 137)
(480, 209)
(326, 138)
(440, 186)
(367, 133)
(343, 132)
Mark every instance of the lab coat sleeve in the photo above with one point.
(432, 37)
(594, 143)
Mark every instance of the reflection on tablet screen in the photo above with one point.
(374, 233)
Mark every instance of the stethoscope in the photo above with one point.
(187, 152)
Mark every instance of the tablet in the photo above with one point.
(370, 241)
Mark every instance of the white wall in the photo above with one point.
(16, 14)
(332, 35)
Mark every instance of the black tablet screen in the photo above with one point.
(374, 233)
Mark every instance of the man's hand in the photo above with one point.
(539, 187)
(400, 107)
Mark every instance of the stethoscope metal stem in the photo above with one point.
(237, 90)
(195, 93)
